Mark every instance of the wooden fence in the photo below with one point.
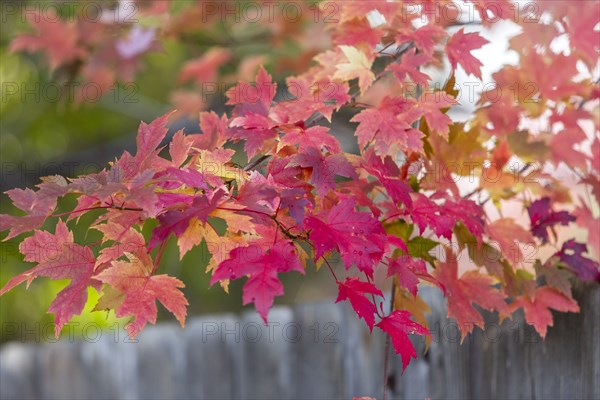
(313, 351)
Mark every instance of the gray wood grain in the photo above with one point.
(315, 351)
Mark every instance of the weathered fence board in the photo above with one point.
(314, 351)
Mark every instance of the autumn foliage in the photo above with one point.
(396, 211)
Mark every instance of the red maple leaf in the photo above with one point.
(205, 68)
(537, 307)
(355, 291)
(426, 213)
(324, 168)
(38, 205)
(389, 124)
(399, 325)
(60, 40)
(409, 270)
(250, 116)
(387, 172)
(472, 287)
(468, 212)
(508, 234)
(409, 67)
(215, 131)
(148, 139)
(430, 106)
(125, 240)
(459, 49)
(315, 137)
(177, 221)
(309, 98)
(262, 269)
(584, 38)
(58, 257)
(357, 236)
(425, 38)
(141, 289)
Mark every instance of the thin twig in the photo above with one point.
(256, 162)
(387, 345)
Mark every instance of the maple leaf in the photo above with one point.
(562, 146)
(425, 38)
(357, 67)
(571, 254)
(409, 270)
(399, 325)
(262, 269)
(482, 254)
(177, 221)
(58, 39)
(58, 257)
(469, 213)
(431, 106)
(205, 68)
(586, 219)
(582, 34)
(324, 168)
(179, 148)
(141, 289)
(409, 67)
(426, 213)
(403, 300)
(250, 117)
(188, 102)
(350, 10)
(537, 307)
(490, 12)
(315, 137)
(260, 194)
(38, 205)
(507, 233)
(125, 240)
(390, 125)
(387, 172)
(542, 218)
(472, 287)
(453, 156)
(355, 291)
(459, 49)
(555, 274)
(148, 139)
(356, 32)
(357, 236)
(215, 131)
(319, 97)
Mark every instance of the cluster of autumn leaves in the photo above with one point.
(301, 198)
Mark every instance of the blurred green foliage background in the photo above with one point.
(40, 136)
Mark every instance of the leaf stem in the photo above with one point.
(330, 268)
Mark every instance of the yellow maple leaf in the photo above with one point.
(404, 300)
(235, 222)
(357, 67)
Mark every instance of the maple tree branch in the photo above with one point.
(256, 162)
(285, 230)
(387, 344)
(95, 208)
